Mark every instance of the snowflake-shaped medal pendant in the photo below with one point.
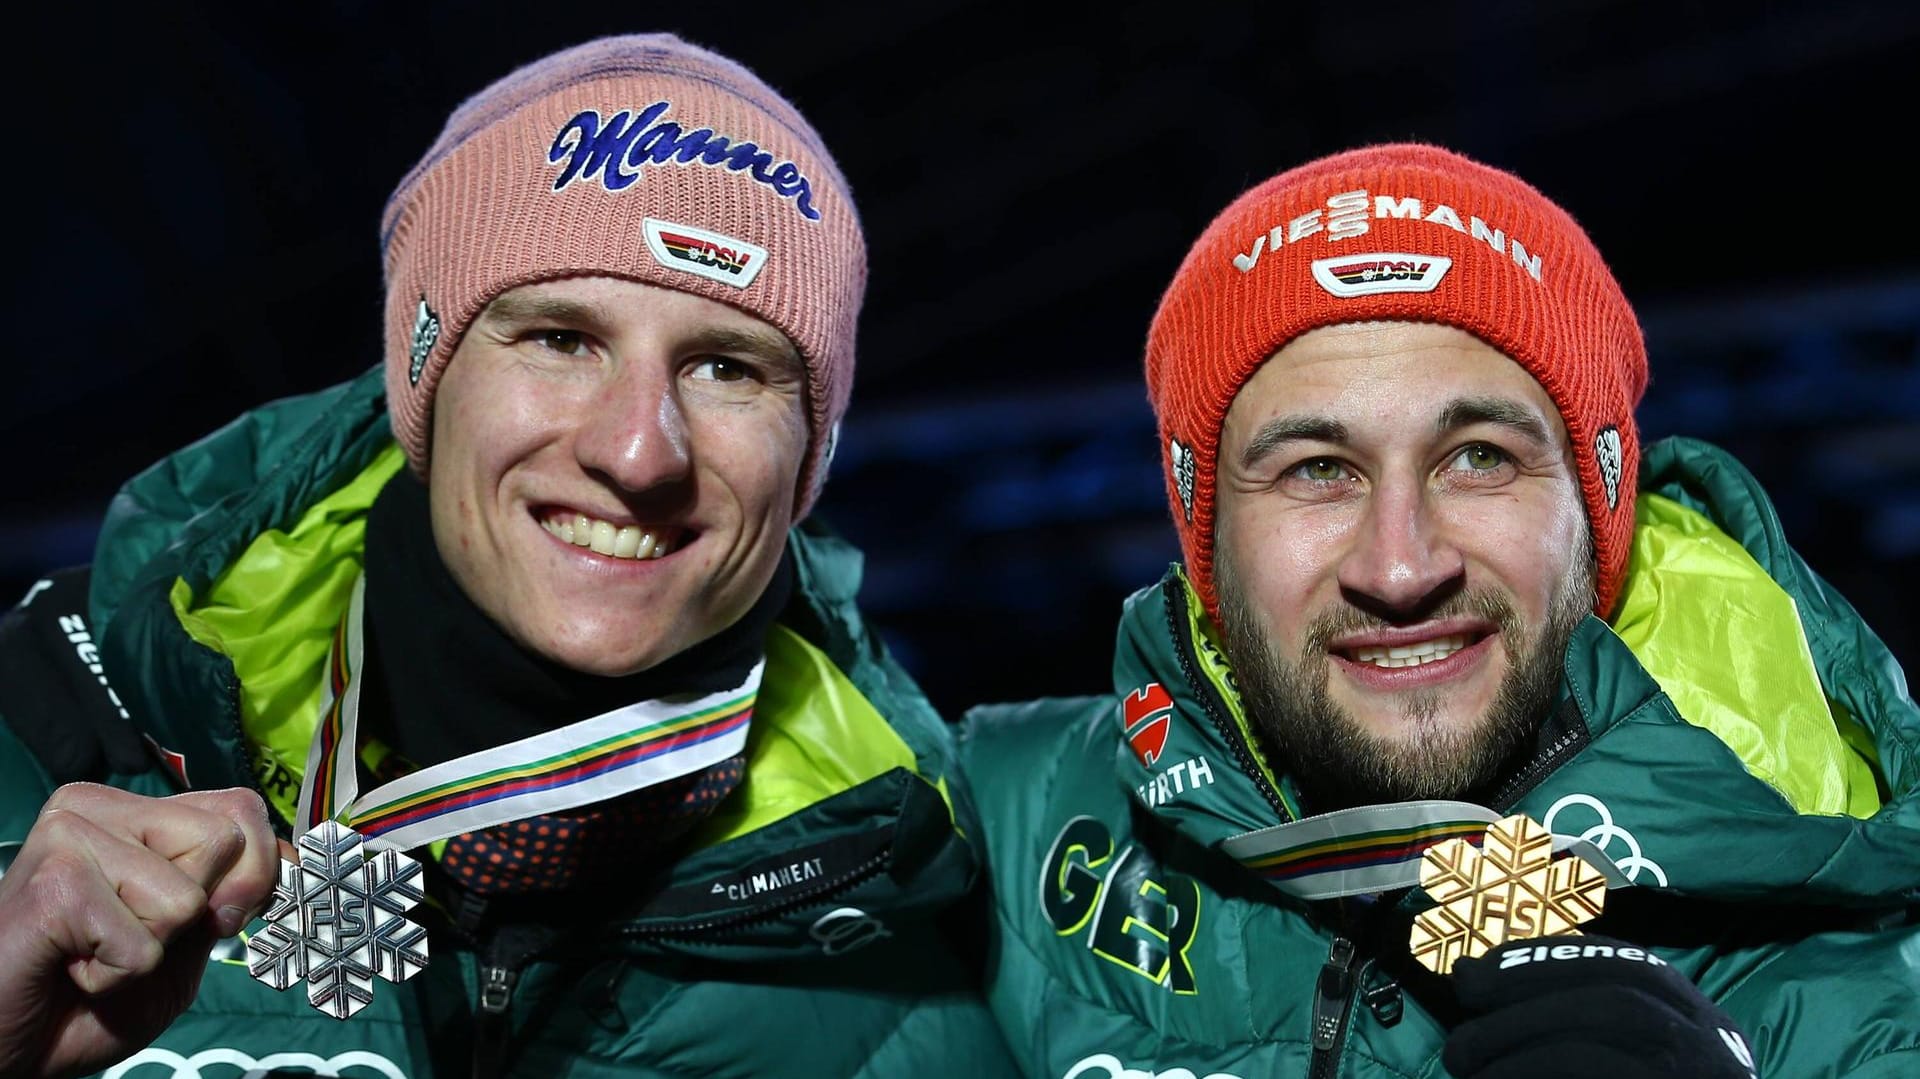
(338, 919)
(1512, 888)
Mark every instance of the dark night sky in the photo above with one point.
(200, 192)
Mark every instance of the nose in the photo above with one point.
(1402, 561)
(632, 432)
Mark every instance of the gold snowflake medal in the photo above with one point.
(1511, 888)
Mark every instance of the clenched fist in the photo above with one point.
(107, 915)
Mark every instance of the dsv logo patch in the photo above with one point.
(712, 255)
(1135, 914)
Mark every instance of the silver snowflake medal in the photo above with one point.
(338, 919)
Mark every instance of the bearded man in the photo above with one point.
(1431, 580)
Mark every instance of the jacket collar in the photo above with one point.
(1665, 799)
(883, 835)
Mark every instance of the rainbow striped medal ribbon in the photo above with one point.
(337, 918)
(1378, 848)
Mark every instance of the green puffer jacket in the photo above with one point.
(1738, 743)
(797, 938)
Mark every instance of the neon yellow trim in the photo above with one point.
(1725, 643)
(1213, 664)
(941, 786)
(814, 735)
(273, 611)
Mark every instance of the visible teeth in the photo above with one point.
(1411, 655)
(607, 538)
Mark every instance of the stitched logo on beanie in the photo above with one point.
(426, 331)
(827, 447)
(1181, 459)
(1606, 450)
(1384, 271)
(1348, 215)
(615, 150)
(712, 255)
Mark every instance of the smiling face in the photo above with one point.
(1402, 553)
(614, 467)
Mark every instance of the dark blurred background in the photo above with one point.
(200, 189)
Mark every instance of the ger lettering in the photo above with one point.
(614, 151)
(1142, 917)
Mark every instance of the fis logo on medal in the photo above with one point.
(1147, 714)
(712, 255)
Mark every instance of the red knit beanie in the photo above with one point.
(640, 157)
(1402, 232)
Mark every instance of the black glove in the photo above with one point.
(1587, 1006)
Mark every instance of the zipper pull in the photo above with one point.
(1332, 995)
(490, 1026)
(496, 989)
(1383, 997)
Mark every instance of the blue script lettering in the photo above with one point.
(616, 149)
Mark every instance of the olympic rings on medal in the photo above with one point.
(1606, 832)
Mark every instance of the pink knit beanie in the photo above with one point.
(640, 157)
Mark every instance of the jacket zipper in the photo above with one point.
(1538, 769)
(500, 967)
(769, 911)
(1182, 650)
(1333, 996)
(492, 1021)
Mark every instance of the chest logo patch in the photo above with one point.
(1134, 914)
(1146, 714)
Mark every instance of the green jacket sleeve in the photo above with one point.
(1842, 1004)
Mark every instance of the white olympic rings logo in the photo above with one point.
(1606, 832)
(194, 1067)
(1111, 1065)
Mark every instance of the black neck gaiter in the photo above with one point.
(442, 680)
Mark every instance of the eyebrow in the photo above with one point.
(1459, 413)
(516, 310)
(773, 347)
(1499, 411)
(1276, 433)
(769, 345)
